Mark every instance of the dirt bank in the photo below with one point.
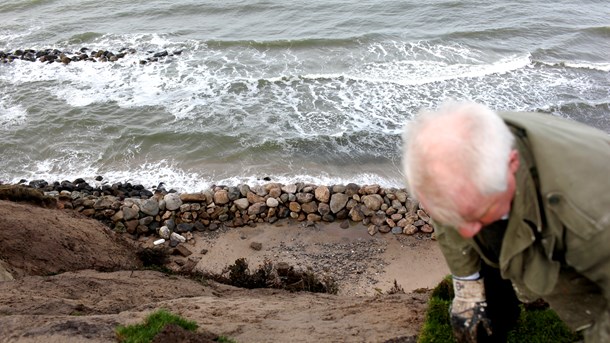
(74, 281)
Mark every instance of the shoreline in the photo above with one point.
(168, 214)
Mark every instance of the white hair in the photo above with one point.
(462, 144)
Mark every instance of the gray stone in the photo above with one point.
(241, 204)
(146, 220)
(351, 189)
(104, 202)
(171, 224)
(339, 189)
(172, 201)
(184, 227)
(272, 202)
(323, 209)
(256, 246)
(234, 193)
(304, 198)
(256, 209)
(150, 207)
(397, 230)
(290, 189)
(337, 202)
(244, 189)
(199, 226)
(177, 237)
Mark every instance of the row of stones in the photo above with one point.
(66, 57)
(382, 210)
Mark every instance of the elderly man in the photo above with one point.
(521, 199)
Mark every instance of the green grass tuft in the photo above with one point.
(154, 323)
(533, 326)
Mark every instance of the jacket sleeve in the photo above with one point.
(461, 258)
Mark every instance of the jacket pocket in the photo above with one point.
(574, 218)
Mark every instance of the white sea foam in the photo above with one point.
(11, 114)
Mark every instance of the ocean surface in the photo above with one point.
(287, 91)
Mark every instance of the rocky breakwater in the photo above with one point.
(83, 54)
(172, 216)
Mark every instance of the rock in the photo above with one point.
(177, 237)
(423, 215)
(150, 207)
(199, 226)
(378, 219)
(221, 197)
(117, 217)
(172, 201)
(372, 202)
(310, 207)
(253, 198)
(370, 189)
(132, 225)
(193, 197)
(272, 202)
(323, 209)
(243, 189)
(427, 228)
(256, 246)
(372, 229)
(183, 250)
(294, 207)
(304, 198)
(104, 202)
(275, 193)
(146, 220)
(291, 189)
(241, 204)
(410, 229)
(256, 209)
(322, 194)
(351, 189)
(338, 201)
(356, 214)
(312, 217)
(397, 230)
(164, 232)
(184, 227)
(401, 196)
(384, 229)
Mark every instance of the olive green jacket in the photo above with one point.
(557, 243)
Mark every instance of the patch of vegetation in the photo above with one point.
(396, 289)
(536, 323)
(153, 324)
(279, 276)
